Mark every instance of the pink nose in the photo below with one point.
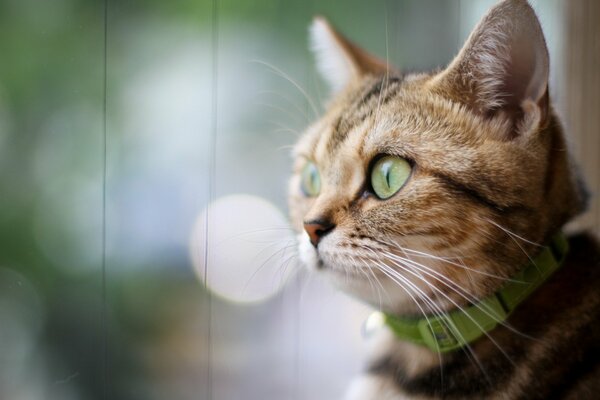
(317, 229)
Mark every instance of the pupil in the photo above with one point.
(386, 172)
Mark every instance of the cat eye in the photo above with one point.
(388, 175)
(310, 180)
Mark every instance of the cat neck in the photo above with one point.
(450, 331)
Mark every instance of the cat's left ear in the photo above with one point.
(339, 60)
(503, 67)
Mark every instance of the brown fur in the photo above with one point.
(491, 182)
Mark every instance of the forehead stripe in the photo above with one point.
(386, 83)
(361, 108)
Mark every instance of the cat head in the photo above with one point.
(413, 185)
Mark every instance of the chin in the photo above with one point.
(383, 295)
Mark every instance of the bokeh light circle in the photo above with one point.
(250, 247)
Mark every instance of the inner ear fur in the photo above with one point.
(339, 60)
(504, 65)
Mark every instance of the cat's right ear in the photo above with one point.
(339, 60)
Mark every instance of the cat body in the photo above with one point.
(422, 194)
(561, 362)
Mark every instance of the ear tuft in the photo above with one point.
(339, 60)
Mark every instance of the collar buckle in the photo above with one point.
(439, 334)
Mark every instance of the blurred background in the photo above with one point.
(104, 179)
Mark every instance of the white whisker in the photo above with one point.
(291, 102)
(433, 307)
(512, 234)
(460, 291)
(460, 308)
(293, 82)
(447, 260)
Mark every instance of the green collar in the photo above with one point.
(454, 329)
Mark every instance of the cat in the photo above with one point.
(428, 194)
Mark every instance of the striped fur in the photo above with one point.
(491, 182)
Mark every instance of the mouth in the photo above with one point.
(340, 265)
(336, 263)
(320, 263)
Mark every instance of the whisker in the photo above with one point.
(289, 101)
(286, 130)
(410, 271)
(467, 348)
(460, 308)
(450, 284)
(281, 128)
(447, 261)
(367, 270)
(265, 262)
(461, 292)
(285, 111)
(433, 307)
(282, 270)
(307, 276)
(512, 234)
(289, 79)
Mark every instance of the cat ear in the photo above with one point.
(504, 64)
(338, 60)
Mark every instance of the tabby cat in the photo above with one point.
(429, 195)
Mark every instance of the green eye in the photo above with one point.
(311, 180)
(388, 175)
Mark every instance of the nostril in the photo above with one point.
(317, 229)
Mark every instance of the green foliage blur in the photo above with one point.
(68, 329)
(60, 336)
(138, 329)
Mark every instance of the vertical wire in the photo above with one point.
(297, 304)
(298, 281)
(103, 244)
(296, 343)
(458, 26)
(212, 150)
(297, 338)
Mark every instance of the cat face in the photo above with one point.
(420, 192)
